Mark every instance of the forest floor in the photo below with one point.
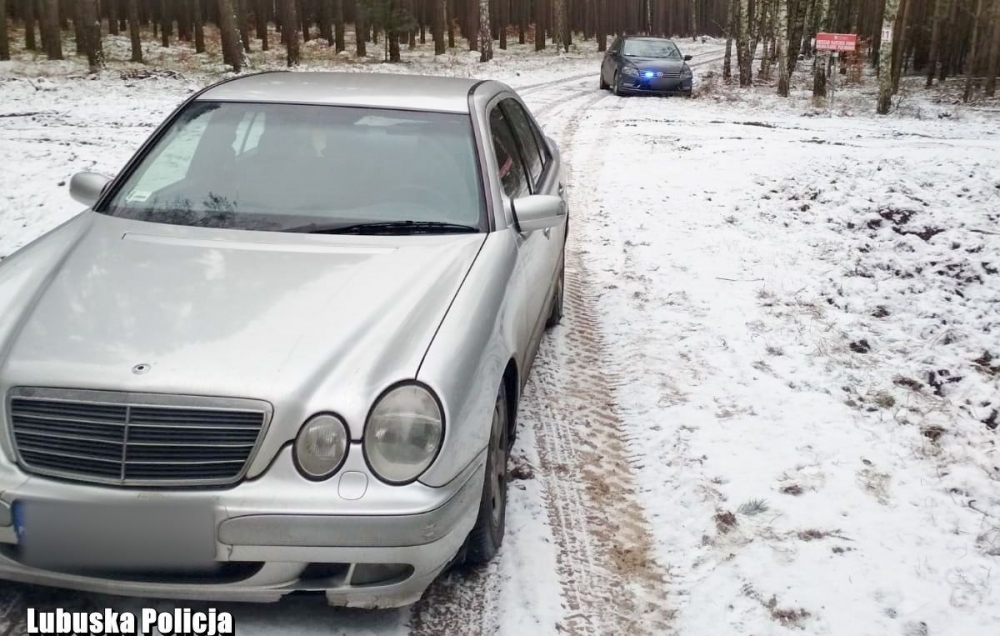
(773, 405)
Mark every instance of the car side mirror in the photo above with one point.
(688, 58)
(87, 187)
(539, 212)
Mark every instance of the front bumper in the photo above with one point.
(278, 534)
(655, 86)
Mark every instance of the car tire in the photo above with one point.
(615, 88)
(686, 94)
(555, 317)
(487, 535)
(604, 85)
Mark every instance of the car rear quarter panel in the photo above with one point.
(466, 361)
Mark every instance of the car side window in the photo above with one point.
(616, 46)
(521, 126)
(511, 168)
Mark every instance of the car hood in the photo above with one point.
(288, 318)
(657, 64)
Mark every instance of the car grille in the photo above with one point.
(131, 440)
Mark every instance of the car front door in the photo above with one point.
(543, 178)
(610, 64)
(515, 180)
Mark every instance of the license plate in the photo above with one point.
(147, 535)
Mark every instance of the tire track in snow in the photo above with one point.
(465, 600)
(611, 584)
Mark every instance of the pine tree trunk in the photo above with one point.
(783, 46)
(78, 31)
(90, 30)
(28, 11)
(326, 21)
(199, 27)
(503, 17)
(601, 23)
(541, 8)
(166, 20)
(302, 12)
(973, 52)
(339, 35)
(994, 59)
(4, 40)
(485, 32)
(360, 30)
(947, 40)
(290, 31)
(899, 49)
(52, 35)
(473, 12)
(112, 9)
(564, 24)
(439, 11)
(243, 22)
(885, 60)
(940, 10)
(449, 19)
(232, 50)
(261, 11)
(133, 30)
(522, 21)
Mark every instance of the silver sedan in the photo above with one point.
(283, 348)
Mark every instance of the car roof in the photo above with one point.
(646, 37)
(372, 90)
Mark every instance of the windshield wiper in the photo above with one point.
(388, 227)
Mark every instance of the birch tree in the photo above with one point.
(783, 48)
(744, 56)
(485, 33)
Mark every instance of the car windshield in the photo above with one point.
(285, 167)
(652, 48)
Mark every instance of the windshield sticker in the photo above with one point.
(138, 195)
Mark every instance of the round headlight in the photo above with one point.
(321, 446)
(403, 434)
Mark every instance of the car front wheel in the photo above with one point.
(487, 535)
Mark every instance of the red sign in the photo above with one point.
(845, 42)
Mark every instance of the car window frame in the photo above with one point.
(517, 149)
(534, 182)
(112, 188)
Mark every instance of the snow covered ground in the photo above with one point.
(794, 318)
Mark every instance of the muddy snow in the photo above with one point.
(773, 404)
